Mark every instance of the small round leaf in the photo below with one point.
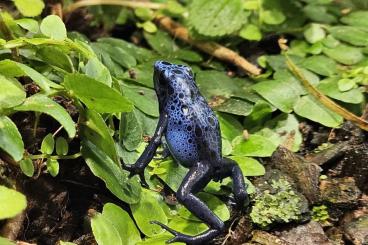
(27, 167)
(47, 145)
(62, 146)
(52, 26)
(52, 167)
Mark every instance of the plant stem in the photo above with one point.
(74, 156)
(123, 3)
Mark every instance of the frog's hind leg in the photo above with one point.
(231, 169)
(195, 180)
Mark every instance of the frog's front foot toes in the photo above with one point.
(133, 170)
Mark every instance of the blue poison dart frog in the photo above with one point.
(193, 138)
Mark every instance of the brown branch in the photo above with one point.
(211, 48)
(330, 104)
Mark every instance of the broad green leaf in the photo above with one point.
(28, 24)
(10, 139)
(314, 33)
(161, 42)
(148, 26)
(190, 227)
(141, 74)
(230, 127)
(261, 111)
(251, 32)
(42, 103)
(116, 180)
(121, 220)
(172, 173)
(216, 18)
(144, 13)
(356, 18)
(318, 13)
(96, 70)
(346, 84)
(130, 130)
(249, 166)
(309, 108)
(330, 88)
(66, 243)
(12, 93)
(104, 231)
(11, 68)
(29, 8)
(354, 35)
(52, 167)
(215, 205)
(27, 167)
(279, 93)
(254, 146)
(187, 55)
(273, 17)
(56, 57)
(61, 146)
(344, 54)
(149, 208)
(158, 240)
(95, 95)
(4, 241)
(94, 129)
(321, 65)
(52, 26)
(235, 106)
(144, 99)
(11, 202)
(47, 145)
(119, 55)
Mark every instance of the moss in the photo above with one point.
(282, 205)
(320, 213)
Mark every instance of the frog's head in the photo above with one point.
(173, 80)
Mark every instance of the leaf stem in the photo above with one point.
(123, 3)
(56, 157)
(330, 104)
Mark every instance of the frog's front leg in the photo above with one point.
(195, 180)
(148, 153)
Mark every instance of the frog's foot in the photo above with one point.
(165, 153)
(190, 240)
(134, 170)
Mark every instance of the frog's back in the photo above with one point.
(193, 132)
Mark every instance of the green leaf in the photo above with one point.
(161, 42)
(96, 70)
(52, 26)
(144, 13)
(47, 145)
(121, 220)
(249, 166)
(330, 88)
(346, 84)
(309, 108)
(130, 130)
(254, 146)
(314, 33)
(52, 167)
(29, 8)
(230, 127)
(28, 24)
(104, 231)
(11, 202)
(42, 103)
(235, 106)
(279, 93)
(144, 99)
(67, 243)
(10, 139)
(354, 35)
(116, 180)
(356, 18)
(27, 167)
(95, 130)
(12, 93)
(321, 65)
(319, 13)
(95, 95)
(172, 173)
(118, 54)
(56, 57)
(4, 241)
(344, 54)
(149, 208)
(148, 26)
(214, 204)
(61, 146)
(251, 32)
(216, 18)
(11, 68)
(273, 17)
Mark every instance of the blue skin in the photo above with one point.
(193, 137)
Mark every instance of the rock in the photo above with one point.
(357, 231)
(340, 192)
(307, 234)
(265, 238)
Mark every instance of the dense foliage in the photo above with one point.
(100, 92)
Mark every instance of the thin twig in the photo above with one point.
(123, 3)
(324, 99)
(211, 48)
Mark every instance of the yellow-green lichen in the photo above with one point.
(320, 213)
(282, 205)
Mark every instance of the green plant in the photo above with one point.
(320, 213)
